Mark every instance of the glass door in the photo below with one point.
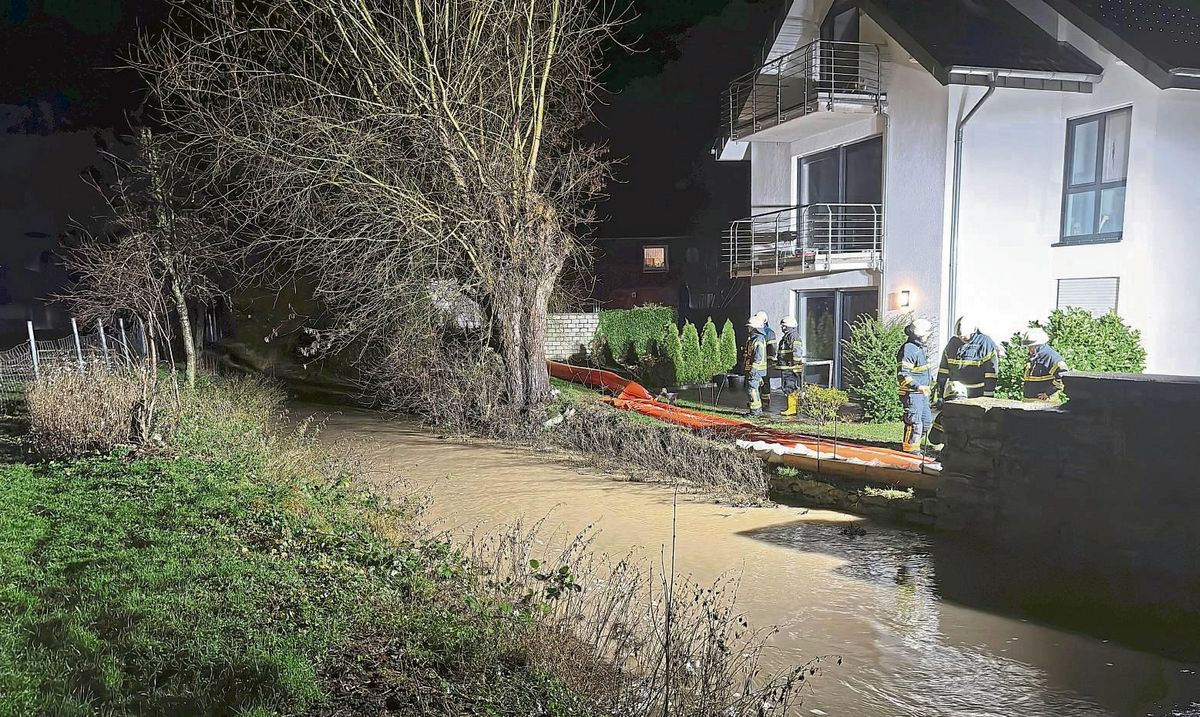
(852, 306)
(818, 313)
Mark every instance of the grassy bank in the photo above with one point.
(238, 577)
(234, 565)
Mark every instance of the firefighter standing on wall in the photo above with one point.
(790, 360)
(1043, 369)
(754, 360)
(772, 355)
(915, 375)
(968, 369)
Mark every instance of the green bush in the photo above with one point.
(822, 403)
(729, 346)
(1010, 376)
(627, 333)
(710, 351)
(869, 360)
(669, 368)
(1096, 343)
(1087, 343)
(692, 368)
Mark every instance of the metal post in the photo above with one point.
(78, 348)
(124, 342)
(142, 331)
(104, 344)
(37, 371)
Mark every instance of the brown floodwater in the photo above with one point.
(907, 647)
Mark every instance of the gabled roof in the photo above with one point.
(1153, 37)
(949, 35)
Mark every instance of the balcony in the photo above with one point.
(807, 240)
(825, 80)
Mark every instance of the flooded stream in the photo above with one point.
(873, 599)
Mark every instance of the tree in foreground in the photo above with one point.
(416, 161)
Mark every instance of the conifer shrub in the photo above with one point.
(869, 366)
(710, 351)
(692, 366)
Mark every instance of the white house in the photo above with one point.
(992, 157)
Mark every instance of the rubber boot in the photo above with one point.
(793, 406)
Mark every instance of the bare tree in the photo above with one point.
(396, 151)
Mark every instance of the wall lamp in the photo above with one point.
(905, 300)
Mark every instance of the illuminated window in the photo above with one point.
(654, 258)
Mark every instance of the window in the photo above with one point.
(1097, 295)
(1097, 165)
(654, 258)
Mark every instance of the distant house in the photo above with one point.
(992, 157)
(679, 271)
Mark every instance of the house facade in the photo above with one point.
(998, 158)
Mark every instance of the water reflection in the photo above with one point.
(926, 670)
(922, 627)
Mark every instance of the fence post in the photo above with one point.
(37, 371)
(78, 348)
(104, 344)
(124, 342)
(142, 332)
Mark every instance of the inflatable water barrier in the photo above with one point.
(816, 454)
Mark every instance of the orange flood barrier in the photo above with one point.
(803, 451)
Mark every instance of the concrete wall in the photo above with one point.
(1103, 487)
(570, 334)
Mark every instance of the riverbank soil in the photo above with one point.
(890, 602)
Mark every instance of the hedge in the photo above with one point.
(627, 333)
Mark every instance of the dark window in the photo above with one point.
(654, 258)
(1097, 165)
(1097, 295)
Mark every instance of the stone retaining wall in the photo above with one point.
(570, 334)
(1107, 485)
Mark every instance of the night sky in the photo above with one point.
(661, 118)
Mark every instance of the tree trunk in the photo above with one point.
(185, 332)
(521, 317)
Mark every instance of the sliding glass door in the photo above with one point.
(825, 320)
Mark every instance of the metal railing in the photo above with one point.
(822, 73)
(811, 238)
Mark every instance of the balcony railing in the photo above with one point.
(822, 74)
(808, 239)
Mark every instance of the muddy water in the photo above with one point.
(874, 599)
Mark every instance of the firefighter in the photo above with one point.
(1043, 369)
(790, 361)
(754, 360)
(772, 355)
(915, 376)
(967, 370)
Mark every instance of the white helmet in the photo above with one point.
(966, 326)
(757, 321)
(920, 329)
(788, 321)
(762, 315)
(955, 389)
(1036, 337)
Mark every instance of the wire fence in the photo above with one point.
(115, 347)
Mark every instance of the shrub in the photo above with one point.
(692, 368)
(72, 413)
(822, 404)
(669, 356)
(1010, 378)
(1087, 343)
(869, 358)
(729, 346)
(627, 333)
(710, 351)
(1096, 343)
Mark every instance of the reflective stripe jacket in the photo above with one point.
(772, 343)
(791, 351)
(754, 356)
(973, 363)
(1043, 372)
(914, 369)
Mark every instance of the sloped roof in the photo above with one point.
(984, 34)
(1151, 36)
